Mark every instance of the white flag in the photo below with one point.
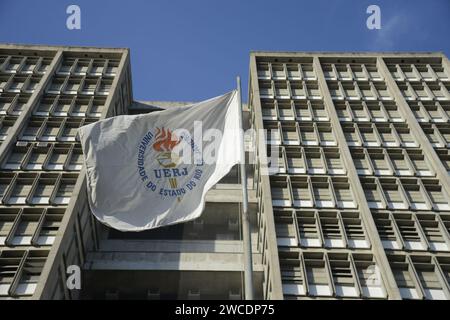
(152, 170)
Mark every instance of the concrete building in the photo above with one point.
(357, 207)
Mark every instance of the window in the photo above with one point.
(343, 111)
(57, 85)
(376, 111)
(359, 111)
(21, 189)
(295, 160)
(273, 132)
(50, 225)
(350, 91)
(301, 191)
(331, 229)
(269, 110)
(351, 135)
(308, 134)
(404, 134)
(7, 217)
(387, 135)
(44, 190)
(90, 86)
(285, 228)
(76, 160)
(298, 90)
(280, 191)
(98, 66)
(392, 111)
(105, 87)
(354, 230)
(97, 107)
(265, 89)
(343, 193)
(16, 158)
(343, 275)
(360, 159)
(285, 111)
(420, 164)
(428, 277)
(278, 71)
(69, 131)
(415, 194)
(433, 136)
(281, 90)
(65, 190)
(112, 67)
(369, 135)
(290, 133)
(51, 130)
(307, 222)
(410, 231)
(433, 231)
(302, 110)
(292, 274)
(58, 158)
(314, 161)
(45, 106)
(326, 136)
(333, 161)
(437, 195)
(80, 107)
(323, 196)
(387, 230)
(400, 162)
(275, 155)
(380, 162)
(37, 158)
(393, 194)
(404, 277)
(62, 107)
(373, 193)
(369, 276)
(317, 274)
(66, 66)
(367, 91)
(383, 91)
(263, 70)
(293, 71)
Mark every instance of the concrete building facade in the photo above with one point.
(356, 205)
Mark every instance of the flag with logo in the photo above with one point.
(151, 170)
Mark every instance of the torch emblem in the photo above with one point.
(165, 141)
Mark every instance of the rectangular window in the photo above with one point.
(393, 194)
(343, 275)
(323, 197)
(369, 276)
(290, 133)
(344, 195)
(280, 191)
(298, 90)
(301, 191)
(331, 229)
(269, 110)
(317, 274)
(285, 228)
(285, 111)
(354, 230)
(295, 160)
(380, 162)
(436, 194)
(314, 161)
(308, 134)
(333, 161)
(308, 229)
(409, 231)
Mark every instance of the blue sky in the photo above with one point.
(193, 49)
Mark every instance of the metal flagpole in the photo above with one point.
(247, 242)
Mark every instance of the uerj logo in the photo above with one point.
(171, 176)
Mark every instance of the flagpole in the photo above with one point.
(246, 235)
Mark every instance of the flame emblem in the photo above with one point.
(165, 141)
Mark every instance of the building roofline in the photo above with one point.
(46, 47)
(259, 53)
